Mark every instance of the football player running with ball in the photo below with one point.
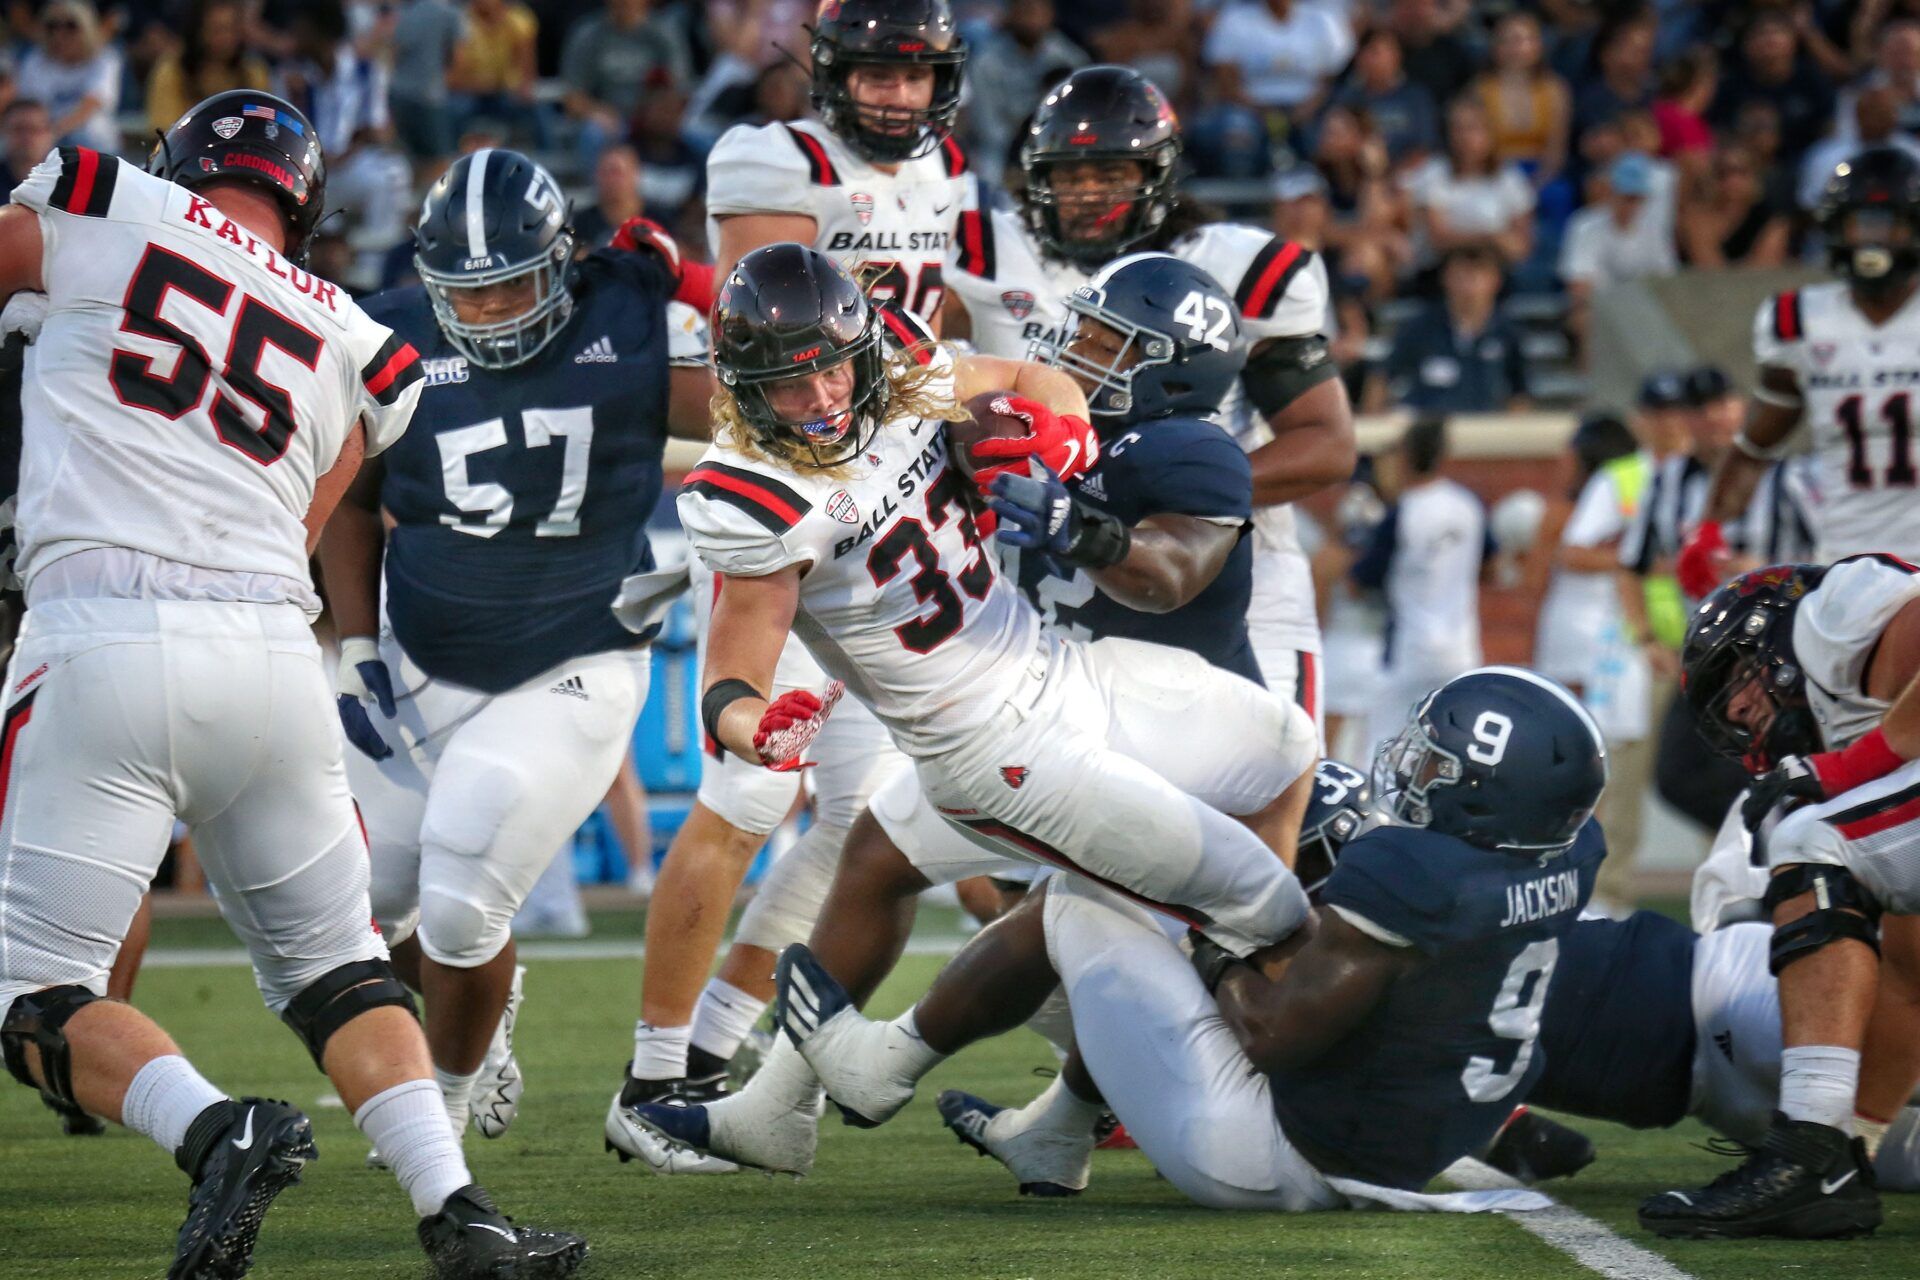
(199, 402)
(1043, 749)
(492, 705)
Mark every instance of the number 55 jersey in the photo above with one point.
(190, 385)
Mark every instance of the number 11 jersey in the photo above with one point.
(190, 384)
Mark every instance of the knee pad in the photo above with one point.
(459, 934)
(1842, 911)
(39, 1019)
(341, 995)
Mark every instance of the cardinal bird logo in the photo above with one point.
(1014, 775)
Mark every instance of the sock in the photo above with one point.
(908, 1056)
(456, 1091)
(408, 1124)
(659, 1053)
(1871, 1132)
(1817, 1083)
(165, 1096)
(1061, 1110)
(723, 1017)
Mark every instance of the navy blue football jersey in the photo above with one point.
(1170, 466)
(1618, 1030)
(1453, 1046)
(521, 495)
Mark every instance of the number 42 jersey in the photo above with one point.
(190, 384)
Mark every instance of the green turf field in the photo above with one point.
(905, 1200)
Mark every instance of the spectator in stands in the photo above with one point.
(613, 60)
(1757, 128)
(670, 170)
(1619, 237)
(1301, 212)
(1876, 123)
(1896, 66)
(1225, 136)
(76, 72)
(1352, 347)
(1527, 105)
(1466, 196)
(616, 197)
(426, 33)
(342, 92)
(1287, 52)
(1431, 47)
(1623, 79)
(1157, 39)
(26, 132)
(1363, 239)
(1459, 356)
(1730, 222)
(1401, 112)
(1010, 70)
(212, 59)
(1687, 87)
(493, 72)
(1771, 66)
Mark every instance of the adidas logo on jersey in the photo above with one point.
(601, 352)
(1094, 486)
(571, 687)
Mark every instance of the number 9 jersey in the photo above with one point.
(1858, 384)
(190, 384)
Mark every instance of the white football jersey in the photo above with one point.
(900, 598)
(1835, 630)
(1014, 294)
(190, 384)
(892, 230)
(1858, 382)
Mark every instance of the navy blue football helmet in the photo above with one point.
(1172, 346)
(1340, 808)
(493, 218)
(1499, 757)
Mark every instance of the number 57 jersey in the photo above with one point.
(190, 384)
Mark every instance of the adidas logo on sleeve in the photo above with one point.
(600, 352)
(572, 687)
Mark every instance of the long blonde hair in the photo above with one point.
(916, 388)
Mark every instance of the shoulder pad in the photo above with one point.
(73, 180)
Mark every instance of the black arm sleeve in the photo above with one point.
(1281, 369)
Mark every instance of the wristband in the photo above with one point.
(1867, 759)
(717, 699)
(1101, 541)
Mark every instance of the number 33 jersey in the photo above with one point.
(1860, 388)
(190, 384)
(898, 597)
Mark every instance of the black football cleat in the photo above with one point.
(74, 1122)
(470, 1239)
(241, 1155)
(1805, 1181)
(1532, 1148)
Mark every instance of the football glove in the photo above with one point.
(1702, 563)
(1811, 779)
(1210, 960)
(1064, 444)
(1038, 514)
(364, 676)
(789, 725)
(693, 280)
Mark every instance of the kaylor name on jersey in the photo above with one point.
(227, 229)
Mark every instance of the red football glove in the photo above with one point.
(1702, 563)
(1067, 444)
(695, 279)
(790, 723)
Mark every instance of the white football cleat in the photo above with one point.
(849, 1054)
(1045, 1162)
(496, 1094)
(755, 1128)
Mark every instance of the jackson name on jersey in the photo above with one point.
(898, 598)
(892, 230)
(1857, 384)
(190, 384)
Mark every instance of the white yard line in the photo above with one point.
(549, 949)
(1590, 1243)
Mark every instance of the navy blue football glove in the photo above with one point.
(364, 676)
(1038, 514)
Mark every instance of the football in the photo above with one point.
(985, 423)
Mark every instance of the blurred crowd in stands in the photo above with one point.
(1449, 156)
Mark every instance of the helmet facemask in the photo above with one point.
(1133, 214)
(1875, 249)
(825, 441)
(502, 344)
(1111, 391)
(1723, 676)
(1407, 769)
(903, 133)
